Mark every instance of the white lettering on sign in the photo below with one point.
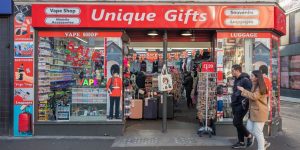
(62, 11)
(184, 16)
(62, 21)
(208, 66)
(90, 34)
(72, 34)
(241, 12)
(129, 17)
(244, 35)
(241, 22)
(171, 16)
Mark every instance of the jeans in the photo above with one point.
(114, 101)
(256, 128)
(242, 131)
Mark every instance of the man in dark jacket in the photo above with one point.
(188, 85)
(243, 80)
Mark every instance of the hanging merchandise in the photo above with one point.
(165, 82)
(155, 67)
(183, 54)
(143, 66)
(177, 83)
(96, 56)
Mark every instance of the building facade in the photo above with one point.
(65, 52)
(290, 72)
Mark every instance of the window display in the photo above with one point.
(295, 72)
(284, 65)
(234, 53)
(250, 53)
(71, 80)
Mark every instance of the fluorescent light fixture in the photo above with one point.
(152, 33)
(141, 52)
(98, 47)
(81, 40)
(186, 33)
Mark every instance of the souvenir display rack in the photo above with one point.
(206, 104)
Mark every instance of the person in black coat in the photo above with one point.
(238, 110)
(140, 80)
(188, 85)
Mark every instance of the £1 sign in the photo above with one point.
(208, 67)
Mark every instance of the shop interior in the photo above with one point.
(186, 52)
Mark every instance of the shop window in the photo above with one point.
(290, 72)
(284, 65)
(71, 77)
(250, 53)
(295, 72)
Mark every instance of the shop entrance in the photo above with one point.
(186, 51)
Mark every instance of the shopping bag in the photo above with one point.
(165, 82)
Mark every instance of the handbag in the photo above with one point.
(165, 82)
(245, 103)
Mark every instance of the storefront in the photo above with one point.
(80, 49)
(6, 59)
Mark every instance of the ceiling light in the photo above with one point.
(186, 33)
(152, 33)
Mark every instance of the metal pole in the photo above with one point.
(164, 115)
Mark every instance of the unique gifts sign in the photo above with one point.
(153, 16)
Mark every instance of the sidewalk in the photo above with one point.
(290, 99)
(148, 134)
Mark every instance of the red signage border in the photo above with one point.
(156, 16)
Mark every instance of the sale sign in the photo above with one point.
(208, 67)
(152, 56)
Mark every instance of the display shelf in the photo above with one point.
(59, 59)
(61, 81)
(58, 53)
(97, 102)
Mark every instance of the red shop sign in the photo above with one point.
(208, 67)
(153, 16)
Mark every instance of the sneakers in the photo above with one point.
(250, 141)
(238, 145)
(267, 144)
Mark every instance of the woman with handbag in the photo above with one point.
(258, 108)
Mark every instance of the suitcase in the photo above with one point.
(136, 109)
(150, 108)
(170, 107)
(25, 122)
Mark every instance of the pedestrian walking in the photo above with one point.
(238, 109)
(258, 108)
